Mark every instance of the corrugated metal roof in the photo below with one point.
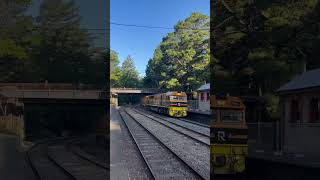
(308, 79)
(204, 87)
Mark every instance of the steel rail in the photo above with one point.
(163, 144)
(137, 145)
(95, 162)
(176, 119)
(196, 123)
(183, 119)
(183, 133)
(33, 166)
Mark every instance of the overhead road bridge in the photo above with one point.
(134, 90)
(137, 92)
(36, 105)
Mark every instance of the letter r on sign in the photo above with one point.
(221, 136)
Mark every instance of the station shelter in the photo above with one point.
(204, 97)
(300, 114)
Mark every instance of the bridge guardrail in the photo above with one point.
(152, 89)
(135, 90)
(72, 94)
(44, 86)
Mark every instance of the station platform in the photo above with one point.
(197, 111)
(294, 159)
(279, 166)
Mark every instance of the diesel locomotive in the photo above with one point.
(171, 103)
(229, 134)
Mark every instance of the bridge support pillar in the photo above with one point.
(114, 99)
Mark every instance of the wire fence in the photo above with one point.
(193, 104)
(12, 124)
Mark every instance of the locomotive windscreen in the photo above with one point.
(178, 98)
(231, 115)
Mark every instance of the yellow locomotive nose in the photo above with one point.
(177, 111)
(171, 112)
(184, 113)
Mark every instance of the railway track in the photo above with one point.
(183, 120)
(190, 130)
(168, 118)
(184, 159)
(57, 159)
(195, 123)
(160, 160)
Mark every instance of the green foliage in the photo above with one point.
(55, 48)
(115, 71)
(181, 61)
(65, 47)
(15, 37)
(125, 75)
(129, 75)
(260, 45)
(95, 72)
(8, 48)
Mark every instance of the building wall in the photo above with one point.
(204, 104)
(301, 136)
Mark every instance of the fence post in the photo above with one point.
(278, 137)
(21, 128)
(274, 136)
(259, 138)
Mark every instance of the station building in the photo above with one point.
(300, 114)
(204, 97)
(199, 100)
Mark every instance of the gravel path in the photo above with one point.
(194, 154)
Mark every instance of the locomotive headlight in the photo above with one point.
(239, 165)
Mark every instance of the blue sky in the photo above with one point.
(141, 42)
